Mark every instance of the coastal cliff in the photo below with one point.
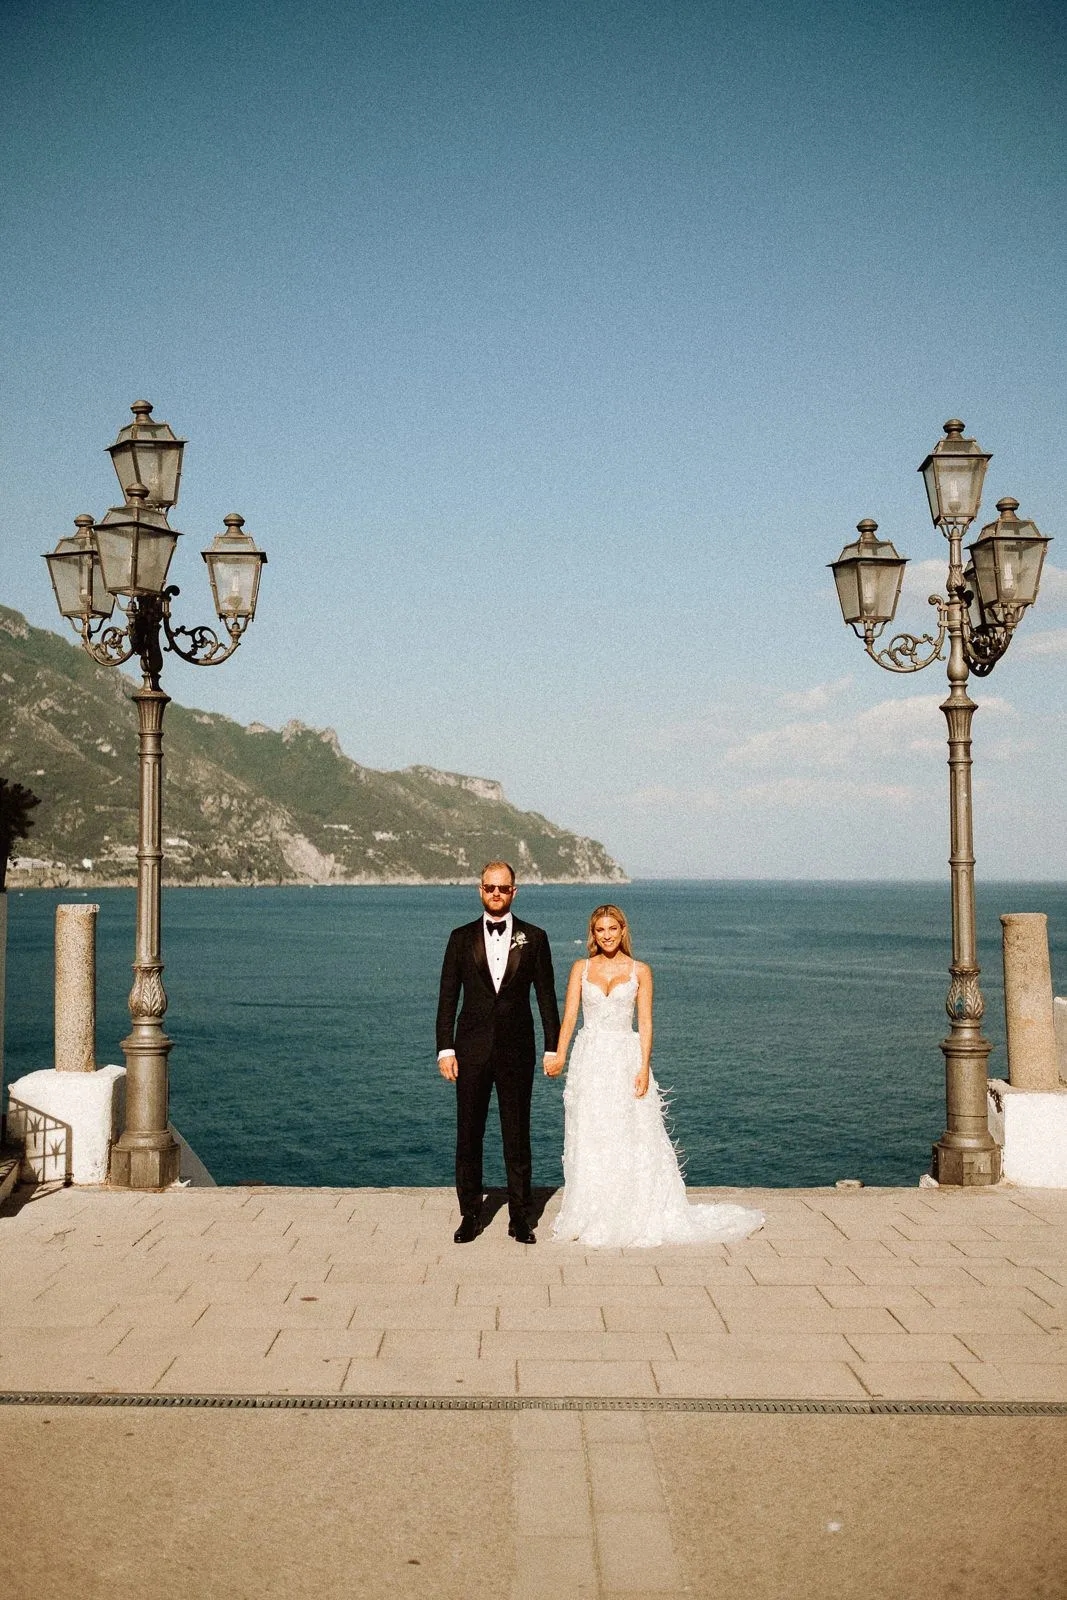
(242, 804)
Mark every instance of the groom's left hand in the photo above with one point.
(552, 1064)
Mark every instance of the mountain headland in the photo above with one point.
(241, 804)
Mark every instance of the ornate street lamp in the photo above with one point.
(125, 557)
(978, 614)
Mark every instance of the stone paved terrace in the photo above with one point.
(909, 1294)
(592, 1482)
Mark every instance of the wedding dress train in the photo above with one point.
(623, 1185)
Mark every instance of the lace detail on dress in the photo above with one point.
(621, 1171)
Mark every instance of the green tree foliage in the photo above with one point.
(16, 803)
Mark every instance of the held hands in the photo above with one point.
(641, 1084)
(553, 1063)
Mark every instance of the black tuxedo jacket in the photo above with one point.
(491, 1023)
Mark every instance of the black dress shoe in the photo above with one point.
(522, 1233)
(467, 1231)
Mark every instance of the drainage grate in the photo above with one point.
(447, 1402)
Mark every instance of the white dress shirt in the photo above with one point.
(497, 947)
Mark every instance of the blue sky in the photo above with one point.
(551, 351)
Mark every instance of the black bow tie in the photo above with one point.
(495, 927)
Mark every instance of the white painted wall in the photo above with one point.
(1031, 1128)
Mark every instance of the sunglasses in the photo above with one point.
(498, 888)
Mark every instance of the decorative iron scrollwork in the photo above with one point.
(205, 648)
(905, 652)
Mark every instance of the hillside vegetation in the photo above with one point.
(242, 804)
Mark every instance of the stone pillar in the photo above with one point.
(76, 988)
(1059, 1012)
(1031, 1034)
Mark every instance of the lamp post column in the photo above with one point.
(147, 1155)
(966, 1152)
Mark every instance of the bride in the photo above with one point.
(622, 1181)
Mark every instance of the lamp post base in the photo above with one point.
(139, 1165)
(968, 1166)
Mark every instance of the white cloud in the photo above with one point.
(826, 793)
(817, 698)
(1052, 595)
(911, 725)
(821, 793)
(1052, 642)
(711, 727)
(922, 579)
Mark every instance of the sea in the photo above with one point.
(796, 1024)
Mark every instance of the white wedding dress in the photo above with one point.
(623, 1186)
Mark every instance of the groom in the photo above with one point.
(495, 961)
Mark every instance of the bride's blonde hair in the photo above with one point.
(620, 917)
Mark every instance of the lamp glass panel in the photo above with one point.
(234, 580)
(115, 545)
(1008, 568)
(150, 458)
(154, 549)
(1031, 558)
(159, 465)
(954, 485)
(880, 582)
(77, 581)
(103, 602)
(848, 589)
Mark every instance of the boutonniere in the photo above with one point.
(518, 941)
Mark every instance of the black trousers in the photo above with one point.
(513, 1081)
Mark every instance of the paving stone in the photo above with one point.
(224, 1315)
(1000, 1294)
(586, 1377)
(430, 1344)
(623, 1477)
(157, 1311)
(821, 1318)
(551, 1496)
(965, 1319)
(549, 1319)
(1042, 1348)
(886, 1295)
(636, 1551)
(442, 1376)
(637, 1294)
(899, 1347)
(913, 1380)
(550, 1568)
(800, 1270)
(916, 1274)
(698, 1318)
(615, 1272)
(578, 1346)
(602, 1427)
(416, 1316)
(547, 1430)
(766, 1346)
(758, 1380)
(679, 1271)
(325, 1344)
(1017, 1380)
(503, 1294)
